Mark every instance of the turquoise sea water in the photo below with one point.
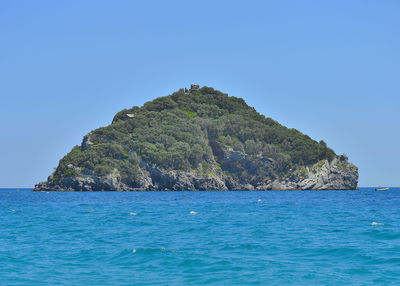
(147, 238)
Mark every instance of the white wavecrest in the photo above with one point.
(377, 223)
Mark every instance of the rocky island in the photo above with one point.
(199, 139)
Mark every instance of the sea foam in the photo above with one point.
(377, 223)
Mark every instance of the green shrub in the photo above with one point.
(176, 132)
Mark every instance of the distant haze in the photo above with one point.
(328, 69)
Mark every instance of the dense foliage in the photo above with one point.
(191, 131)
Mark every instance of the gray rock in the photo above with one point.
(335, 175)
(86, 142)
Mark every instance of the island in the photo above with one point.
(199, 139)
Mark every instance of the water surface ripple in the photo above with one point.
(192, 238)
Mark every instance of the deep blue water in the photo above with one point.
(147, 238)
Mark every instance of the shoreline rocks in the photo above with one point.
(335, 175)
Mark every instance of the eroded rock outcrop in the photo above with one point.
(325, 175)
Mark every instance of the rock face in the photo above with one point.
(198, 141)
(335, 175)
(325, 175)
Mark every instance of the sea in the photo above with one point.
(200, 238)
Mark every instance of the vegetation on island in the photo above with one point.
(190, 131)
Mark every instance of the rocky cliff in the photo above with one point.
(200, 139)
(330, 176)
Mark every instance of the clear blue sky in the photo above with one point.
(327, 68)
